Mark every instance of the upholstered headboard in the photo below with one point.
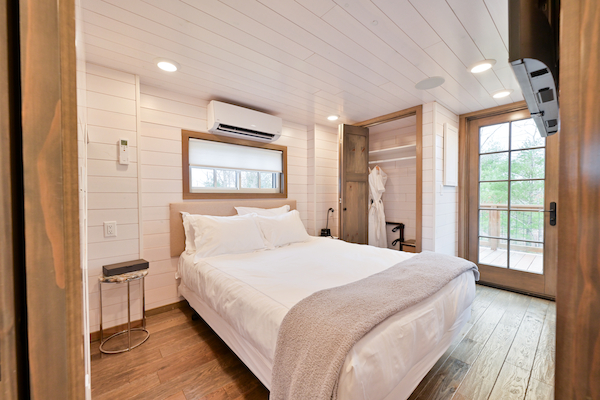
(212, 207)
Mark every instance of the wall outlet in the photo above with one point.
(110, 228)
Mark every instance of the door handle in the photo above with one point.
(552, 212)
(344, 208)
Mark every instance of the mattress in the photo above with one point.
(252, 292)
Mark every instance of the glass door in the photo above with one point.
(507, 218)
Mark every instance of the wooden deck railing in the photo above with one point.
(495, 224)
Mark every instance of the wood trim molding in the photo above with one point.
(464, 167)
(409, 112)
(578, 291)
(492, 112)
(185, 162)
(51, 198)
(11, 357)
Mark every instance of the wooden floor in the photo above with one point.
(506, 351)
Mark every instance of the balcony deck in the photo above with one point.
(530, 262)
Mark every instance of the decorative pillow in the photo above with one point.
(266, 212)
(190, 246)
(283, 229)
(226, 235)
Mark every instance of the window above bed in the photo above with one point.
(222, 167)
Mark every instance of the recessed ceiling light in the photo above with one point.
(481, 66)
(430, 83)
(333, 117)
(166, 65)
(502, 93)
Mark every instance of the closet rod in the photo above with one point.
(392, 159)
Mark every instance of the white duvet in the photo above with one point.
(253, 292)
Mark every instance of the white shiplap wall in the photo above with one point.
(399, 199)
(156, 118)
(440, 203)
(326, 186)
(311, 189)
(112, 188)
(163, 115)
(428, 220)
(446, 199)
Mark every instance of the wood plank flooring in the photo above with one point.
(505, 351)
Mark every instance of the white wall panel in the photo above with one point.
(440, 203)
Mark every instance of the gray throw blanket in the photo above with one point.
(317, 333)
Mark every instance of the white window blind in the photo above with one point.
(207, 153)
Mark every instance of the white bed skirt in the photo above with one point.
(261, 367)
(256, 362)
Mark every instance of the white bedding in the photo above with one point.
(252, 292)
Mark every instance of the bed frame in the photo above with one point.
(260, 366)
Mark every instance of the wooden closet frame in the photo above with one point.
(41, 277)
(416, 111)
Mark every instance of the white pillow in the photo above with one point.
(190, 246)
(226, 235)
(266, 212)
(283, 229)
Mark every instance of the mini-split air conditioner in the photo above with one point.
(229, 120)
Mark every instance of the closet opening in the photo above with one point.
(395, 171)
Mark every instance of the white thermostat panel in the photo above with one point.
(123, 151)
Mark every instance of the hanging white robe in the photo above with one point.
(377, 231)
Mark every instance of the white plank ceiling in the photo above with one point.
(306, 59)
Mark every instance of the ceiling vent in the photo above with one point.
(243, 123)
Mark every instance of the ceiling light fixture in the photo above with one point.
(502, 93)
(481, 66)
(166, 65)
(333, 117)
(430, 83)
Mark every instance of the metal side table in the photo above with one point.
(122, 278)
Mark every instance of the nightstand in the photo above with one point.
(125, 278)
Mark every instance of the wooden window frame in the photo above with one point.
(185, 162)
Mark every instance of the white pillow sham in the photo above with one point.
(190, 246)
(283, 229)
(225, 235)
(266, 212)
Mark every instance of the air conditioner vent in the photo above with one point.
(539, 72)
(243, 131)
(545, 95)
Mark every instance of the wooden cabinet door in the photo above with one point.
(354, 183)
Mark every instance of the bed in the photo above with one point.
(244, 298)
